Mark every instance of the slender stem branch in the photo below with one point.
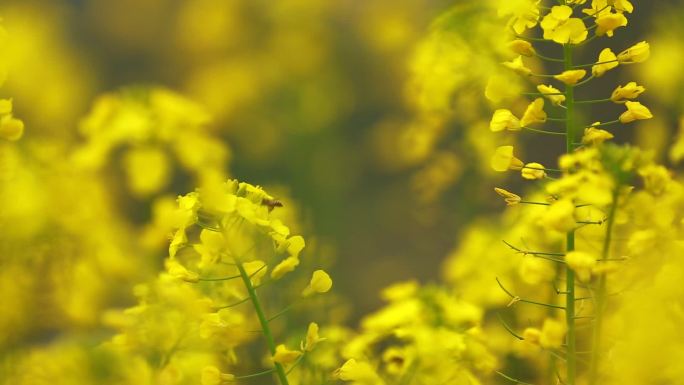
(544, 131)
(585, 81)
(601, 292)
(280, 371)
(515, 298)
(571, 364)
(517, 382)
(509, 329)
(616, 121)
(593, 101)
(547, 58)
(593, 64)
(534, 203)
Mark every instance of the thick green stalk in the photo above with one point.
(601, 292)
(280, 371)
(570, 237)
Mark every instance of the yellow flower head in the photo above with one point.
(534, 113)
(352, 370)
(176, 270)
(518, 66)
(595, 136)
(571, 77)
(629, 91)
(582, 263)
(522, 47)
(285, 356)
(553, 94)
(284, 267)
(510, 198)
(504, 120)
(606, 61)
(211, 375)
(560, 216)
(503, 160)
(635, 111)
(637, 53)
(320, 283)
(552, 334)
(523, 13)
(11, 128)
(312, 338)
(559, 26)
(533, 171)
(608, 22)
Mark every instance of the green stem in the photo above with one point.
(593, 101)
(601, 293)
(280, 371)
(571, 364)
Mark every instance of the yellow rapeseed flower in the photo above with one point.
(595, 136)
(285, 356)
(509, 197)
(534, 113)
(320, 283)
(518, 66)
(312, 338)
(582, 263)
(608, 22)
(503, 160)
(635, 111)
(533, 171)
(504, 120)
(571, 77)
(630, 91)
(637, 53)
(606, 61)
(211, 375)
(559, 26)
(553, 94)
(522, 47)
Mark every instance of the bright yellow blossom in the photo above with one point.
(559, 216)
(522, 47)
(312, 338)
(552, 334)
(11, 128)
(284, 267)
(635, 111)
(518, 66)
(595, 136)
(571, 77)
(630, 91)
(285, 356)
(534, 113)
(553, 94)
(533, 171)
(353, 370)
(503, 160)
(504, 120)
(320, 283)
(635, 54)
(510, 198)
(524, 13)
(608, 22)
(559, 26)
(606, 61)
(211, 375)
(582, 263)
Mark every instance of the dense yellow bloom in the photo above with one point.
(608, 22)
(635, 54)
(571, 77)
(518, 66)
(504, 120)
(595, 136)
(10, 127)
(630, 91)
(534, 113)
(635, 111)
(503, 160)
(510, 198)
(312, 338)
(553, 94)
(522, 47)
(582, 263)
(284, 267)
(320, 283)
(285, 356)
(533, 171)
(211, 375)
(606, 61)
(523, 14)
(560, 216)
(552, 334)
(361, 372)
(559, 26)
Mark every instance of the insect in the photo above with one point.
(271, 203)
